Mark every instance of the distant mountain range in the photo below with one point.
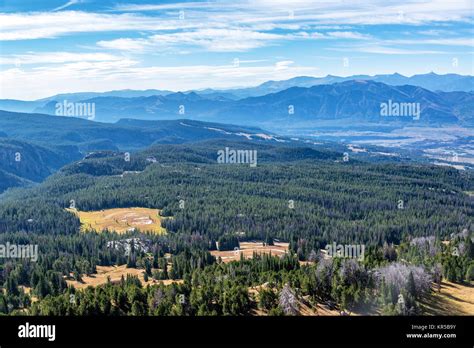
(356, 100)
(431, 81)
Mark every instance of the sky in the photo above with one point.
(59, 46)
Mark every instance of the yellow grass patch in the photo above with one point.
(121, 220)
(248, 248)
(454, 299)
(115, 273)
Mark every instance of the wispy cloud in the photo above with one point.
(385, 50)
(28, 26)
(56, 57)
(462, 41)
(246, 15)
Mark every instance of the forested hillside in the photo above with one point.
(309, 198)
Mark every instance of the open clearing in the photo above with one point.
(115, 273)
(454, 299)
(248, 248)
(121, 220)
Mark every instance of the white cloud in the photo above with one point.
(150, 7)
(216, 40)
(126, 44)
(282, 65)
(349, 35)
(56, 57)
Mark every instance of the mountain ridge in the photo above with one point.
(430, 81)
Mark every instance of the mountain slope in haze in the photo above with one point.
(172, 106)
(358, 100)
(124, 93)
(36, 105)
(9, 180)
(431, 81)
(19, 105)
(23, 163)
(125, 135)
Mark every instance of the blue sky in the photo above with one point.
(59, 46)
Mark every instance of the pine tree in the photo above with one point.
(470, 273)
(288, 301)
(411, 287)
(12, 286)
(269, 240)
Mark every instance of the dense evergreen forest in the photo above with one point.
(402, 213)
